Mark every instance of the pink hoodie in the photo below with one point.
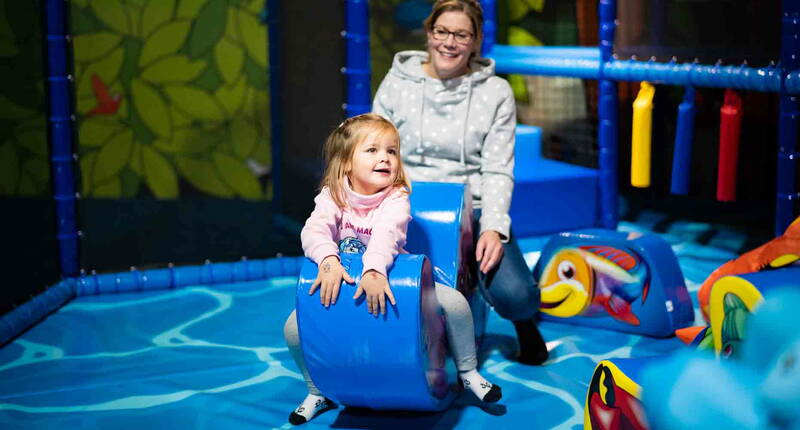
(379, 221)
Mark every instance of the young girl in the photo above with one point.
(364, 202)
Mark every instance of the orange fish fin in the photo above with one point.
(689, 334)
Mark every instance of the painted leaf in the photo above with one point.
(196, 102)
(231, 97)
(136, 164)
(189, 8)
(537, 5)
(156, 13)
(130, 182)
(254, 36)
(519, 87)
(187, 141)
(238, 176)
(517, 9)
(87, 171)
(202, 175)
(33, 140)
(39, 169)
(263, 153)
(232, 25)
(174, 69)
(97, 131)
(179, 118)
(27, 185)
(113, 157)
(230, 60)
(11, 110)
(94, 46)
(111, 189)
(107, 69)
(208, 28)
(81, 3)
(243, 136)
(152, 108)
(8, 46)
(518, 36)
(159, 174)
(113, 14)
(165, 40)
(9, 170)
(255, 6)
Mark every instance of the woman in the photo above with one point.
(456, 120)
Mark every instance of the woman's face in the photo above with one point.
(450, 44)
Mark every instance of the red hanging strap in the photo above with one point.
(730, 127)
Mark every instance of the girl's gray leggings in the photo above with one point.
(460, 333)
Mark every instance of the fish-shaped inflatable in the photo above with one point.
(593, 280)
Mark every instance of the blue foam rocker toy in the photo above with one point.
(395, 361)
(619, 281)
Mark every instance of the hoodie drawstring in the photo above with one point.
(421, 116)
(466, 122)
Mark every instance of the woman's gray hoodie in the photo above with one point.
(455, 130)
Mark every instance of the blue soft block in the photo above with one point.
(441, 228)
(394, 361)
(549, 196)
(620, 281)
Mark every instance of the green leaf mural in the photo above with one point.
(169, 92)
(9, 169)
(208, 28)
(165, 40)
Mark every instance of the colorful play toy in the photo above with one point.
(347, 350)
(615, 280)
(779, 252)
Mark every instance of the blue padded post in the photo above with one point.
(395, 361)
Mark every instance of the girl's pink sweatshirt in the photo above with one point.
(379, 221)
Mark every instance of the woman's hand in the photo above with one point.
(329, 278)
(489, 250)
(376, 286)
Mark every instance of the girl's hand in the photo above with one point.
(376, 286)
(329, 277)
(489, 250)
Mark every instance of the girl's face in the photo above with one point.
(450, 44)
(375, 163)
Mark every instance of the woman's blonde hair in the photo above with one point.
(341, 145)
(471, 8)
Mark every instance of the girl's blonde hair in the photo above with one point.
(471, 8)
(341, 145)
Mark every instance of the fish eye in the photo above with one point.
(566, 270)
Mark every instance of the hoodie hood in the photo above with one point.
(408, 65)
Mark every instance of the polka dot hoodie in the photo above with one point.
(455, 130)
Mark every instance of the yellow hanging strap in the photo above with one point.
(642, 136)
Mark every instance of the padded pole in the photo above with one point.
(61, 132)
(357, 67)
(608, 120)
(788, 155)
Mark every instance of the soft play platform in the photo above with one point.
(214, 357)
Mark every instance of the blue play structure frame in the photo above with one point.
(599, 63)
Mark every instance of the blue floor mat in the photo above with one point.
(214, 357)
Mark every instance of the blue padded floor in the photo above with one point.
(214, 358)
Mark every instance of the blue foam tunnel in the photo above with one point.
(395, 361)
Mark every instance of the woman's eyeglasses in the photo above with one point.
(462, 37)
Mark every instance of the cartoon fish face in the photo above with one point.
(566, 284)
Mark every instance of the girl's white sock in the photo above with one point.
(311, 406)
(483, 389)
